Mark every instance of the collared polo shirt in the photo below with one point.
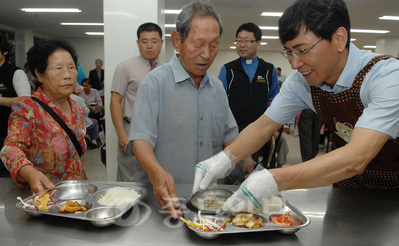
(183, 123)
(127, 78)
(379, 93)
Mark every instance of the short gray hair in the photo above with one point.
(99, 60)
(195, 9)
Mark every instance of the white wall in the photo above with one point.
(88, 51)
(121, 20)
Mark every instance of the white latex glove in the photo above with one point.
(248, 164)
(216, 167)
(257, 188)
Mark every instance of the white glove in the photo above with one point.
(257, 188)
(216, 167)
(248, 164)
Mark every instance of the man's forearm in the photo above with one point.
(117, 118)
(8, 101)
(144, 154)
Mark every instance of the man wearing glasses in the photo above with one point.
(355, 92)
(251, 85)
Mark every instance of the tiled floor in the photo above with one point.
(96, 170)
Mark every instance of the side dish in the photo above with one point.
(41, 202)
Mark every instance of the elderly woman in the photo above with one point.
(91, 96)
(37, 149)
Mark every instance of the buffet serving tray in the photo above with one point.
(86, 193)
(190, 212)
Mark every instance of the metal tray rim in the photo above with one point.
(268, 227)
(82, 216)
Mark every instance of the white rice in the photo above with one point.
(118, 196)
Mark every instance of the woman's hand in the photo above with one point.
(36, 179)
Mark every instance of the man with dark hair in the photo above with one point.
(127, 78)
(181, 115)
(251, 85)
(354, 91)
(14, 85)
(96, 76)
(280, 77)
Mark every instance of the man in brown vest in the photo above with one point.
(354, 91)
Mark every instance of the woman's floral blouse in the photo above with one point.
(35, 138)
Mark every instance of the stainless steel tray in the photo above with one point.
(86, 193)
(190, 212)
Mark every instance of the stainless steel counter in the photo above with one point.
(338, 217)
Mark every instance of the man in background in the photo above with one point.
(96, 75)
(280, 77)
(14, 85)
(251, 85)
(127, 78)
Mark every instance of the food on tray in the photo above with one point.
(211, 202)
(41, 202)
(72, 207)
(275, 204)
(118, 196)
(207, 223)
(247, 220)
(283, 220)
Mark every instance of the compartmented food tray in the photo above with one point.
(87, 194)
(190, 213)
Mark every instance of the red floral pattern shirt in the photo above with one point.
(35, 138)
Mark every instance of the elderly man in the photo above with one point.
(127, 78)
(181, 115)
(355, 92)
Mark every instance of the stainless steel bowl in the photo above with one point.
(73, 191)
(198, 199)
(292, 229)
(104, 216)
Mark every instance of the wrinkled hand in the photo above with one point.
(216, 167)
(165, 193)
(36, 179)
(257, 188)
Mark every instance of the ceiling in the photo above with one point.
(364, 15)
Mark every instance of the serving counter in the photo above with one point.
(338, 217)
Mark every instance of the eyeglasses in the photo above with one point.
(61, 70)
(238, 42)
(300, 54)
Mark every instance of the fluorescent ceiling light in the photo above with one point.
(172, 11)
(370, 46)
(385, 17)
(168, 35)
(269, 37)
(277, 14)
(95, 33)
(170, 25)
(81, 24)
(353, 39)
(232, 47)
(52, 10)
(268, 27)
(369, 31)
(263, 43)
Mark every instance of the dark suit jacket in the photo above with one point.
(95, 81)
